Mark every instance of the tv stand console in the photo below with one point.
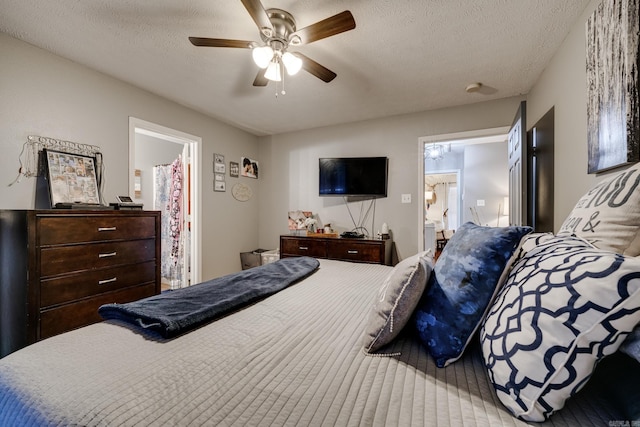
(356, 250)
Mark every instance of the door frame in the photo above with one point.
(475, 136)
(195, 149)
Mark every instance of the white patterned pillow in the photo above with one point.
(529, 242)
(609, 214)
(565, 306)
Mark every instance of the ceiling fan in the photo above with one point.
(278, 32)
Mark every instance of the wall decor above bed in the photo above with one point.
(613, 108)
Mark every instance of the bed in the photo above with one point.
(294, 358)
(307, 354)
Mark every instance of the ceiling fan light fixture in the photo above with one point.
(262, 56)
(273, 72)
(292, 63)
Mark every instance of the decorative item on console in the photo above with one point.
(312, 224)
(297, 219)
(384, 231)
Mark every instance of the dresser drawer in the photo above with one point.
(82, 285)
(303, 247)
(355, 251)
(68, 259)
(80, 229)
(71, 316)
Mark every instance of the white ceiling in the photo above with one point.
(403, 56)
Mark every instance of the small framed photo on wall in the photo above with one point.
(219, 186)
(218, 164)
(249, 167)
(234, 169)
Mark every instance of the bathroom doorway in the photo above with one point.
(164, 175)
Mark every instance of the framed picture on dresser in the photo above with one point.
(72, 178)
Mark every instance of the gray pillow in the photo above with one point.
(396, 300)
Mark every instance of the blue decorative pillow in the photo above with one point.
(464, 281)
(565, 306)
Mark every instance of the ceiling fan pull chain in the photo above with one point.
(283, 73)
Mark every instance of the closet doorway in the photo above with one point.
(164, 175)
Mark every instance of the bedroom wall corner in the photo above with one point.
(44, 94)
(290, 179)
(563, 84)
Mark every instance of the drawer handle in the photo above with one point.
(303, 248)
(352, 252)
(106, 228)
(110, 254)
(104, 282)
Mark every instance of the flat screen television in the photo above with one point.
(353, 176)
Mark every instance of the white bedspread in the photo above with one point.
(292, 359)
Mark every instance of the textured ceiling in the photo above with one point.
(403, 56)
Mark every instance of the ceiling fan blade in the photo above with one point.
(331, 26)
(203, 41)
(257, 12)
(261, 80)
(312, 67)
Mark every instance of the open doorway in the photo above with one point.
(442, 207)
(479, 162)
(164, 175)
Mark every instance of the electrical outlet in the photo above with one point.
(406, 198)
(480, 202)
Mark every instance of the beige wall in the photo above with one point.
(290, 179)
(43, 94)
(46, 95)
(293, 185)
(563, 83)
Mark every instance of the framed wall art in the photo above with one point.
(613, 108)
(234, 169)
(218, 164)
(249, 167)
(72, 178)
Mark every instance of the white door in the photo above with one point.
(517, 146)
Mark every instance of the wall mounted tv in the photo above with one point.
(353, 176)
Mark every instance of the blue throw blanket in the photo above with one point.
(172, 313)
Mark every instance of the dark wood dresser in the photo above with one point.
(58, 266)
(357, 250)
